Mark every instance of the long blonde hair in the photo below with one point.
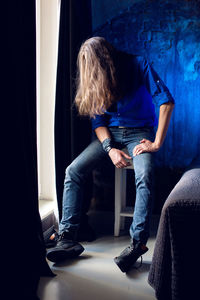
(97, 83)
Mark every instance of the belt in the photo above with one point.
(123, 127)
(120, 127)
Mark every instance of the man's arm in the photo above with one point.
(102, 133)
(163, 124)
(117, 156)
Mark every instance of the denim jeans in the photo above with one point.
(94, 155)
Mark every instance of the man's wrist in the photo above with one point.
(157, 145)
(107, 145)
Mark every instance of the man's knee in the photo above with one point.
(70, 173)
(73, 174)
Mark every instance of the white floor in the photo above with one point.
(94, 274)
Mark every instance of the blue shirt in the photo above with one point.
(144, 90)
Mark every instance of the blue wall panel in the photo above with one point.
(167, 33)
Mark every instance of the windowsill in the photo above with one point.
(46, 207)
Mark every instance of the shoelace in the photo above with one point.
(132, 248)
(60, 236)
(139, 264)
(65, 236)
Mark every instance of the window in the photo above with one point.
(47, 24)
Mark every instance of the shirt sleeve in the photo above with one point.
(98, 121)
(154, 84)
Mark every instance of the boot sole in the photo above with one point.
(58, 255)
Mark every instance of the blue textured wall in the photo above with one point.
(167, 33)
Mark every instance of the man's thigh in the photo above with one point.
(144, 162)
(89, 159)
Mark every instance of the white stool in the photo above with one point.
(121, 210)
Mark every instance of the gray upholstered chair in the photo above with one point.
(175, 268)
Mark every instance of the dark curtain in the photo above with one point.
(72, 133)
(23, 243)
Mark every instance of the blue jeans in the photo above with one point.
(94, 155)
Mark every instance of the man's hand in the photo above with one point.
(117, 156)
(145, 146)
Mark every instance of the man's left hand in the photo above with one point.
(145, 146)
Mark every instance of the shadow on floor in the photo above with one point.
(136, 273)
(72, 261)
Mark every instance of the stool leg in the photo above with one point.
(120, 198)
(123, 196)
(117, 201)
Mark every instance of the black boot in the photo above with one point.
(127, 258)
(65, 248)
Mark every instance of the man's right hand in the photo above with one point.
(117, 156)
